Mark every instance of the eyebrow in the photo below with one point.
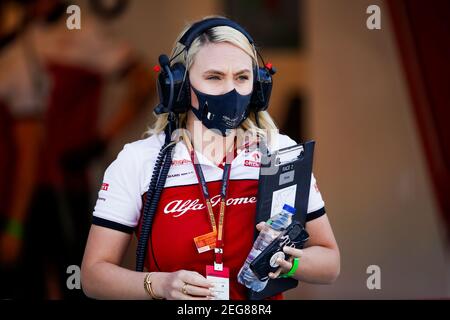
(212, 71)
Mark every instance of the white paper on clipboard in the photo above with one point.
(282, 197)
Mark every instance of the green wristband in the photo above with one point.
(14, 228)
(292, 271)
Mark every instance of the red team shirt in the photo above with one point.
(181, 214)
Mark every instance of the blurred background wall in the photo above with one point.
(343, 86)
(370, 160)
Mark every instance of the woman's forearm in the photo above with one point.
(319, 265)
(104, 280)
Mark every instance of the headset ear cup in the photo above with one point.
(163, 90)
(262, 89)
(178, 71)
(181, 95)
(256, 88)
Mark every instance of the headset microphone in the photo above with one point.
(163, 60)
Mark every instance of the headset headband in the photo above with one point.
(173, 82)
(201, 26)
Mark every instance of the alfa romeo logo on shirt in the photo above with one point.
(180, 207)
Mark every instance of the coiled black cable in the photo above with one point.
(156, 186)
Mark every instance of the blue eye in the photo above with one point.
(242, 78)
(213, 78)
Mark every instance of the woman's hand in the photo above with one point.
(286, 265)
(262, 225)
(319, 259)
(182, 285)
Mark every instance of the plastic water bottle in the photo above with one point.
(274, 226)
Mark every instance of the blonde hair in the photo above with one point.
(216, 35)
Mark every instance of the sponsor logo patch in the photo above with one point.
(250, 163)
(180, 162)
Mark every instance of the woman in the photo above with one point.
(220, 63)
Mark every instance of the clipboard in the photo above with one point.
(285, 177)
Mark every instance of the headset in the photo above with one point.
(173, 81)
(174, 98)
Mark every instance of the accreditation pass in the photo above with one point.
(221, 281)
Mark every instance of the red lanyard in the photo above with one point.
(223, 195)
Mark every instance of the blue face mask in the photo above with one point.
(222, 112)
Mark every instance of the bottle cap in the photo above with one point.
(289, 209)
